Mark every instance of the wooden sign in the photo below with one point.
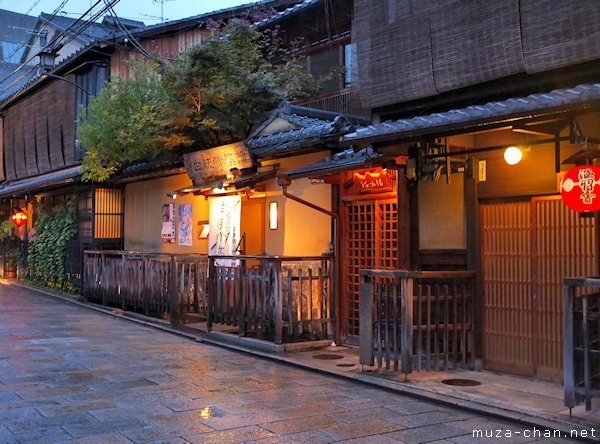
(580, 188)
(372, 182)
(205, 165)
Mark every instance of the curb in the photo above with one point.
(545, 422)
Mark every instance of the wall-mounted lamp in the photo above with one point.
(172, 195)
(512, 155)
(273, 215)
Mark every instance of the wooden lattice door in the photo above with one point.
(528, 248)
(371, 241)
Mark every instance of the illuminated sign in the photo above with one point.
(373, 182)
(579, 188)
(18, 217)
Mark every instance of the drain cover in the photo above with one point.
(461, 382)
(327, 356)
(345, 364)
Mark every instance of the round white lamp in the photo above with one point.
(512, 155)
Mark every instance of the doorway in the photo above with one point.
(528, 247)
(370, 240)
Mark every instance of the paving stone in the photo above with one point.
(311, 436)
(29, 424)
(300, 424)
(41, 436)
(103, 427)
(310, 410)
(107, 438)
(427, 418)
(428, 433)
(244, 434)
(365, 415)
(361, 429)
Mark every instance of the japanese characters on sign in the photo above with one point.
(373, 182)
(216, 162)
(578, 188)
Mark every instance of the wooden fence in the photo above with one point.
(145, 283)
(416, 320)
(581, 341)
(277, 298)
(267, 297)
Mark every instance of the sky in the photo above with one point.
(148, 11)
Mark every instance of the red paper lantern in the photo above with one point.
(580, 188)
(18, 217)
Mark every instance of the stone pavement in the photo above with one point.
(69, 374)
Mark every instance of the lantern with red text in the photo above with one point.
(18, 217)
(580, 188)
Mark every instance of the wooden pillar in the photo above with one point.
(473, 221)
(405, 224)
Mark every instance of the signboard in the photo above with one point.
(372, 182)
(204, 165)
(580, 188)
(225, 215)
(184, 229)
(167, 232)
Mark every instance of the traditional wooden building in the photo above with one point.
(450, 86)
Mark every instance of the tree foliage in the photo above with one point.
(54, 228)
(212, 94)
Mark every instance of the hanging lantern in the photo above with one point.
(580, 188)
(18, 217)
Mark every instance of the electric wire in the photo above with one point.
(128, 34)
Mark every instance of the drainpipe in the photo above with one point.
(284, 182)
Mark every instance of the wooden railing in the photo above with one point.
(581, 340)
(416, 320)
(345, 102)
(276, 298)
(268, 297)
(145, 282)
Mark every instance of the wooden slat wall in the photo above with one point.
(508, 305)
(566, 247)
(39, 132)
(528, 248)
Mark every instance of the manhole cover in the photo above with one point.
(461, 382)
(327, 356)
(345, 364)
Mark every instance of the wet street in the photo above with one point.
(69, 374)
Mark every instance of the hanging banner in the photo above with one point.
(225, 215)
(185, 228)
(167, 232)
(580, 189)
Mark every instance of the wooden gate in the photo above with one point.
(529, 246)
(370, 242)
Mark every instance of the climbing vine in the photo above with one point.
(54, 227)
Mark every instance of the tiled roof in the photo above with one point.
(473, 117)
(315, 128)
(286, 12)
(95, 31)
(14, 81)
(346, 160)
(52, 179)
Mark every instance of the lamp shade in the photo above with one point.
(512, 155)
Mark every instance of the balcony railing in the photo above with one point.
(273, 298)
(344, 102)
(416, 320)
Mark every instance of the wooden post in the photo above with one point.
(122, 282)
(406, 324)
(568, 346)
(173, 292)
(210, 293)
(365, 341)
(278, 302)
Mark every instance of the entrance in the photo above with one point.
(529, 246)
(370, 240)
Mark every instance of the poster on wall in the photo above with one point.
(224, 227)
(167, 231)
(185, 228)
